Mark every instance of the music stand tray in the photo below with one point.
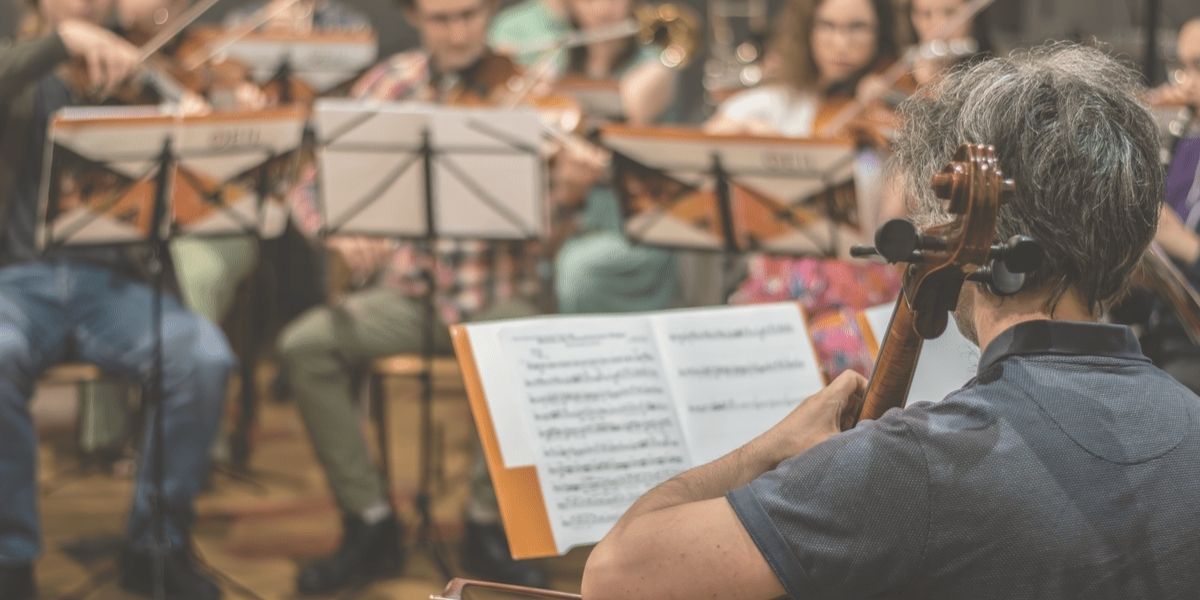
(683, 188)
(102, 165)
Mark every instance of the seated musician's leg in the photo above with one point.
(320, 351)
(485, 549)
(209, 271)
(601, 271)
(114, 330)
(31, 337)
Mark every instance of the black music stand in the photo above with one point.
(420, 173)
(94, 193)
(733, 193)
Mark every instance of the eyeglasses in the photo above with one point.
(854, 30)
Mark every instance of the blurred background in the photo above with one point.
(1121, 24)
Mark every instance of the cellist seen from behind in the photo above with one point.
(1065, 469)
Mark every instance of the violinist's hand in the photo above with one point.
(817, 419)
(363, 256)
(109, 58)
(1180, 243)
(577, 168)
(1169, 95)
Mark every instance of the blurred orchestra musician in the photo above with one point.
(475, 280)
(93, 301)
(969, 42)
(597, 269)
(1179, 224)
(1064, 470)
(825, 49)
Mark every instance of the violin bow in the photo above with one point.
(893, 74)
(174, 28)
(261, 16)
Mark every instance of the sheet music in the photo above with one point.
(946, 363)
(735, 372)
(488, 179)
(602, 417)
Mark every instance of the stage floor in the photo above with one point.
(255, 528)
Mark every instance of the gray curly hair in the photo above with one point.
(1068, 127)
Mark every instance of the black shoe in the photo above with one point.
(16, 582)
(182, 579)
(485, 554)
(367, 553)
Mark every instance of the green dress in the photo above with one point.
(598, 269)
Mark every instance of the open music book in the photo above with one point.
(580, 416)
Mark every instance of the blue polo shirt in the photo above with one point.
(1068, 468)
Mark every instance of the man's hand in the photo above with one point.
(109, 58)
(817, 419)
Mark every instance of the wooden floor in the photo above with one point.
(255, 528)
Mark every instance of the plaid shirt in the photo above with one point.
(469, 275)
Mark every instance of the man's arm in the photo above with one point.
(108, 58)
(22, 63)
(683, 539)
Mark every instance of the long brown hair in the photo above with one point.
(792, 42)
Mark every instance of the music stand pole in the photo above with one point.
(426, 530)
(157, 455)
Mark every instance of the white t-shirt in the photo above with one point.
(789, 111)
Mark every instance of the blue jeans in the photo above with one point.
(106, 319)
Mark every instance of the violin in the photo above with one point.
(939, 260)
(159, 79)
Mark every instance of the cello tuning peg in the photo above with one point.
(998, 278)
(863, 251)
(1020, 254)
(1024, 254)
(899, 241)
(1008, 186)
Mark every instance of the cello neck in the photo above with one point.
(895, 365)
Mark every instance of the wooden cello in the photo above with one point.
(939, 261)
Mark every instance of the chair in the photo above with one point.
(456, 589)
(102, 429)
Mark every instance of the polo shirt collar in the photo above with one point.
(1063, 338)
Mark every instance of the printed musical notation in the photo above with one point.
(760, 333)
(603, 418)
(737, 373)
(612, 406)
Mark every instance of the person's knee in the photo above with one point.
(303, 338)
(202, 351)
